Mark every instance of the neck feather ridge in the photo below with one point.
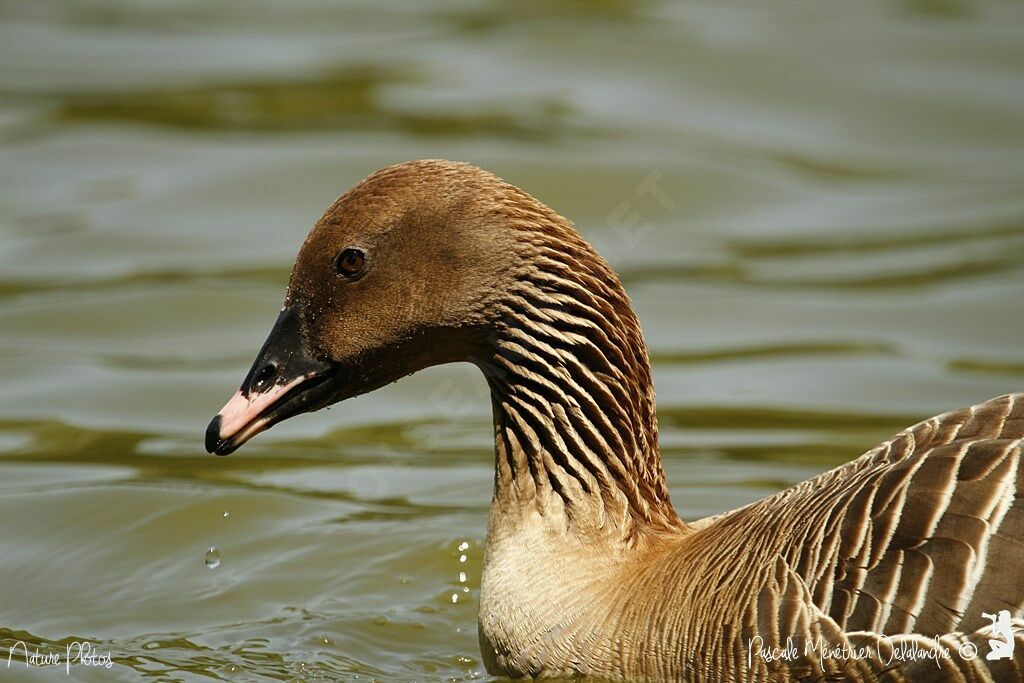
(573, 397)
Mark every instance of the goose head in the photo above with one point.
(404, 271)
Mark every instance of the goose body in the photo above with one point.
(893, 566)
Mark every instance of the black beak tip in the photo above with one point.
(215, 444)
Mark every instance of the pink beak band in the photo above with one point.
(286, 379)
(243, 417)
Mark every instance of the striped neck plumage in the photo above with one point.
(575, 426)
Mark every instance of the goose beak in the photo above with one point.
(285, 380)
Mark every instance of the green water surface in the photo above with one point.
(817, 207)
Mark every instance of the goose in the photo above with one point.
(903, 564)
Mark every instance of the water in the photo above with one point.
(212, 558)
(817, 208)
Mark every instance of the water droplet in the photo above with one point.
(462, 558)
(465, 589)
(226, 514)
(464, 546)
(212, 558)
(455, 597)
(462, 577)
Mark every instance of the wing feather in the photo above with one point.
(921, 534)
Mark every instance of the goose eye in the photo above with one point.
(349, 262)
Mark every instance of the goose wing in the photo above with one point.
(922, 534)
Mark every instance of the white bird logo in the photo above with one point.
(1000, 629)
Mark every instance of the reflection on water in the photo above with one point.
(350, 101)
(817, 208)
